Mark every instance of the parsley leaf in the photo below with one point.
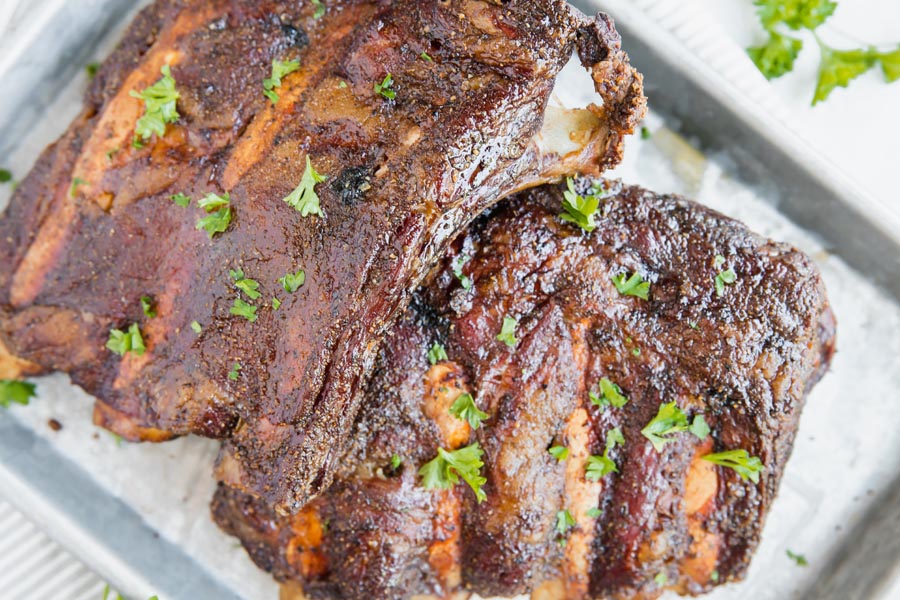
(385, 87)
(614, 438)
(276, 303)
(122, 342)
(444, 471)
(5, 176)
(180, 200)
(242, 309)
(196, 327)
(610, 394)
(599, 466)
(748, 467)
(160, 101)
(796, 14)
(304, 198)
(292, 282)
(670, 420)
(560, 453)
(220, 219)
(633, 286)
(425, 56)
(723, 278)
(235, 371)
(776, 57)
(508, 332)
(839, 67)
(320, 9)
(579, 210)
(458, 263)
(465, 409)
(890, 65)
(248, 286)
(279, 69)
(147, 307)
(437, 353)
(661, 579)
(15, 392)
(564, 522)
(396, 461)
(91, 69)
(798, 558)
(594, 512)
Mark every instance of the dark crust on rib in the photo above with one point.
(458, 137)
(745, 360)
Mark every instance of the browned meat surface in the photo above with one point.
(457, 127)
(745, 360)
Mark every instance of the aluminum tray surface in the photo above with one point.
(138, 514)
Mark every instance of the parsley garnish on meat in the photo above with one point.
(661, 579)
(748, 467)
(723, 278)
(147, 307)
(220, 217)
(507, 333)
(594, 512)
(564, 522)
(248, 286)
(610, 394)
(437, 353)
(633, 286)
(91, 69)
(196, 327)
(465, 409)
(600, 466)
(320, 9)
(160, 101)
(560, 453)
(304, 199)
(122, 342)
(242, 309)
(276, 303)
(798, 558)
(15, 392)
(385, 88)
(76, 182)
(444, 471)
(837, 67)
(426, 57)
(458, 263)
(292, 282)
(180, 200)
(670, 420)
(5, 176)
(235, 371)
(279, 69)
(580, 210)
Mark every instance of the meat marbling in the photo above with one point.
(92, 229)
(745, 360)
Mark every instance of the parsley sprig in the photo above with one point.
(580, 210)
(670, 420)
(437, 353)
(837, 67)
(564, 522)
(122, 342)
(560, 453)
(291, 282)
(160, 100)
(458, 264)
(280, 69)
(304, 199)
(243, 309)
(465, 409)
(632, 286)
(218, 210)
(385, 88)
(445, 470)
(601, 466)
(249, 286)
(507, 333)
(723, 278)
(15, 392)
(610, 395)
(748, 467)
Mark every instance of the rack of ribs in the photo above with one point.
(741, 351)
(419, 114)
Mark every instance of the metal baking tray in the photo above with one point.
(138, 514)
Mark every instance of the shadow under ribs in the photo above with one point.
(745, 360)
(404, 176)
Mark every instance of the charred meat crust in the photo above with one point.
(745, 360)
(406, 174)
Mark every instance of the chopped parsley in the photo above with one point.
(670, 420)
(396, 461)
(465, 409)
(196, 327)
(560, 453)
(645, 133)
(444, 471)
(580, 210)
(437, 353)
(122, 342)
(91, 69)
(242, 309)
(180, 200)
(160, 101)
(507, 333)
(425, 56)
(748, 467)
(633, 286)
(723, 278)
(714, 576)
(76, 182)
(276, 303)
(15, 392)
(147, 306)
(610, 394)
(5, 176)
(304, 199)
(292, 282)
(458, 263)
(220, 217)
(661, 579)
(600, 466)
(798, 558)
(635, 351)
(385, 88)
(248, 286)
(320, 9)
(594, 512)
(564, 522)
(235, 371)
(279, 69)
